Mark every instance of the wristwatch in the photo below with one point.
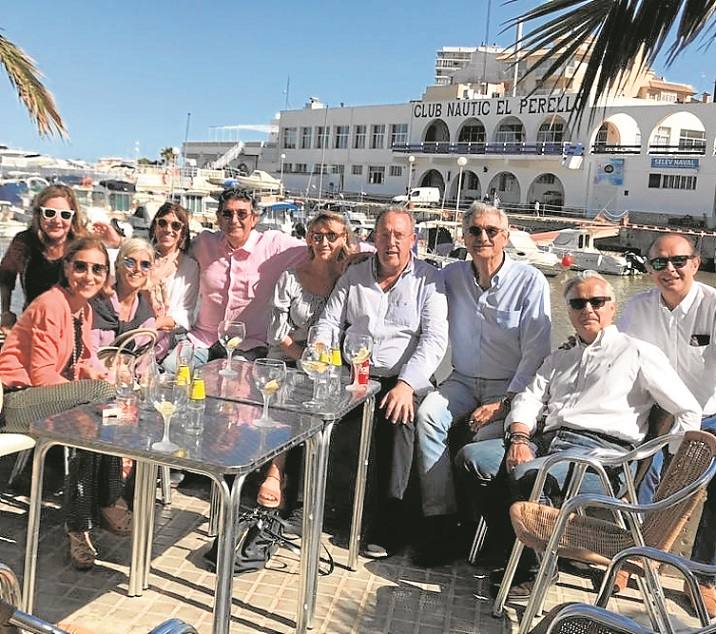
(506, 402)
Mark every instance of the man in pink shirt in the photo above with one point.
(238, 267)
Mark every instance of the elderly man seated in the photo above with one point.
(594, 395)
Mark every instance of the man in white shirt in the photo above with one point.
(597, 394)
(679, 317)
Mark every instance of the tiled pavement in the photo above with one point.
(389, 596)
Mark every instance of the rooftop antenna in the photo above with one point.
(285, 92)
(484, 51)
(186, 139)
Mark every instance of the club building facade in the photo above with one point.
(651, 154)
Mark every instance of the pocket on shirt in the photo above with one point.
(403, 313)
(507, 319)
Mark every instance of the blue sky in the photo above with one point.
(130, 72)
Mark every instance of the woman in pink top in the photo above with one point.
(47, 366)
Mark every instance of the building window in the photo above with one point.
(692, 139)
(356, 170)
(301, 168)
(668, 96)
(377, 137)
(359, 137)
(318, 168)
(472, 134)
(321, 137)
(550, 133)
(602, 135)
(376, 174)
(341, 137)
(509, 133)
(396, 170)
(287, 168)
(677, 181)
(654, 181)
(546, 179)
(289, 138)
(306, 138)
(338, 169)
(662, 136)
(398, 134)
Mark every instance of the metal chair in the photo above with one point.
(569, 533)
(20, 444)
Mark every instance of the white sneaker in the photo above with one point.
(375, 551)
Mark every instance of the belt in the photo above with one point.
(595, 434)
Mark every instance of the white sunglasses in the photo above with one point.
(50, 212)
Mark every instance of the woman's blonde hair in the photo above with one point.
(132, 245)
(323, 217)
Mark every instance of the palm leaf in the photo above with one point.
(26, 79)
(620, 35)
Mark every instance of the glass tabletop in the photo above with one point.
(226, 442)
(296, 390)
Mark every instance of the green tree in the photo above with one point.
(27, 81)
(619, 34)
(167, 155)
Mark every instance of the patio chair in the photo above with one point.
(581, 618)
(569, 533)
(14, 443)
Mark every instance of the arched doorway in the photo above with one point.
(437, 132)
(470, 189)
(552, 130)
(433, 178)
(619, 134)
(679, 133)
(506, 187)
(548, 191)
(510, 130)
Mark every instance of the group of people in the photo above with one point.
(515, 402)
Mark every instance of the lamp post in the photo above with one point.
(462, 161)
(283, 158)
(411, 162)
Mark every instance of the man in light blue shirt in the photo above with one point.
(500, 332)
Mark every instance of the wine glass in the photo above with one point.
(185, 360)
(315, 362)
(231, 334)
(356, 349)
(165, 403)
(268, 375)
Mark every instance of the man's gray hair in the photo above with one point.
(397, 210)
(478, 209)
(655, 243)
(584, 276)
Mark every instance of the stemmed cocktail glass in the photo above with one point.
(166, 403)
(268, 375)
(231, 334)
(357, 350)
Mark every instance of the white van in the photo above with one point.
(420, 196)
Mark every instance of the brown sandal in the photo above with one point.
(117, 519)
(267, 494)
(82, 552)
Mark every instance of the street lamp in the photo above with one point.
(411, 161)
(462, 161)
(283, 158)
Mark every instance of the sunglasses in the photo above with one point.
(50, 212)
(174, 224)
(678, 262)
(476, 230)
(80, 266)
(131, 264)
(580, 303)
(228, 214)
(318, 237)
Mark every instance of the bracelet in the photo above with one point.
(516, 435)
(519, 440)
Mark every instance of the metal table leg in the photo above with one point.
(33, 525)
(306, 592)
(214, 508)
(361, 473)
(151, 494)
(143, 472)
(225, 555)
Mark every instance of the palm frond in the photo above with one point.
(27, 81)
(621, 36)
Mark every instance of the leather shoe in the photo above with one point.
(522, 584)
(708, 594)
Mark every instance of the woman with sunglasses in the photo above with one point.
(125, 307)
(36, 253)
(174, 280)
(47, 366)
(299, 297)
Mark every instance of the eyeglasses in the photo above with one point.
(80, 266)
(174, 224)
(476, 230)
(50, 212)
(131, 264)
(678, 262)
(580, 303)
(317, 237)
(228, 214)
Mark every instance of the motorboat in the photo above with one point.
(280, 216)
(522, 247)
(575, 248)
(258, 180)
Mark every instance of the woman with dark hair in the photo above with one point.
(47, 365)
(36, 253)
(174, 281)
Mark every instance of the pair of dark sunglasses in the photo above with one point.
(50, 212)
(677, 261)
(80, 266)
(318, 237)
(174, 224)
(228, 214)
(580, 303)
(491, 232)
(131, 264)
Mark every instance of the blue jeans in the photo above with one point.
(457, 397)
(704, 550)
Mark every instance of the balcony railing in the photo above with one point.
(603, 148)
(539, 149)
(697, 149)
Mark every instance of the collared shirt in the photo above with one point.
(687, 335)
(239, 283)
(607, 387)
(408, 322)
(503, 332)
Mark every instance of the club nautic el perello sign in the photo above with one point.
(485, 107)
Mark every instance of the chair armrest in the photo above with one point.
(609, 621)
(555, 459)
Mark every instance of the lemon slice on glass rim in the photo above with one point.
(363, 355)
(233, 343)
(271, 386)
